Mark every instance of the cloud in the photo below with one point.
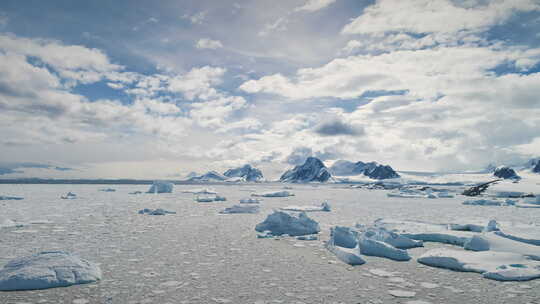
(279, 25)
(205, 43)
(314, 5)
(197, 18)
(435, 16)
(337, 128)
(11, 168)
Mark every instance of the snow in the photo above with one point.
(246, 208)
(492, 241)
(157, 211)
(313, 170)
(47, 269)
(279, 223)
(246, 173)
(392, 238)
(161, 187)
(210, 176)
(323, 207)
(9, 198)
(502, 266)
(274, 194)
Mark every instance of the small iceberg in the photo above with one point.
(47, 269)
(376, 248)
(136, 192)
(157, 211)
(10, 198)
(209, 199)
(487, 202)
(220, 198)
(7, 223)
(344, 245)
(69, 195)
(246, 208)
(107, 190)
(274, 194)
(200, 191)
(250, 201)
(161, 187)
(325, 207)
(279, 223)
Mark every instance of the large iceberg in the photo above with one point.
(246, 173)
(161, 187)
(313, 170)
(47, 269)
(279, 223)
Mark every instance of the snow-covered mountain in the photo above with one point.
(371, 169)
(210, 176)
(246, 173)
(313, 170)
(505, 172)
(533, 165)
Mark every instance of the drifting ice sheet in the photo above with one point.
(47, 270)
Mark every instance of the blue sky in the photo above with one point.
(139, 89)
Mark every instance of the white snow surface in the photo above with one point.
(47, 270)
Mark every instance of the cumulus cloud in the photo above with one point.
(337, 128)
(206, 43)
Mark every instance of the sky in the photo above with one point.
(158, 89)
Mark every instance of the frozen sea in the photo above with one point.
(200, 256)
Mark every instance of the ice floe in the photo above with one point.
(47, 269)
(157, 211)
(200, 191)
(279, 223)
(69, 195)
(107, 190)
(323, 207)
(274, 194)
(373, 247)
(209, 199)
(10, 198)
(245, 208)
(250, 201)
(161, 187)
(488, 202)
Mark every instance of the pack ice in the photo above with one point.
(274, 194)
(279, 223)
(10, 198)
(47, 269)
(322, 207)
(157, 211)
(161, 187)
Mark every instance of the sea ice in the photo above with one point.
(323, 207)
(373, 247)
(107, 190)
(274, 194)
(493, 242)
(279, 223)
(7, 223)
(47, 269)
(157, 211)
(389, 237)
(502, 266)
(246, 208)
(487, 202)
(426, 232)
(343, 237)
(200, 191)
(349, 256)
(161, 187)
(250, 201)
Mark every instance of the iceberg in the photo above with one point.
(501, 266)
(161, 187)
(343, 237)
(323, 207)
(274, 194)
(246, 208)
(47, 269)
(107, 190)
(135, 192)
(200, 191)
(157, 211)
(69, 195)
(10, 198)
(349, 256)
(487, 202)
(389, 237)
(373, 247)
(250, 201)
(279, 223)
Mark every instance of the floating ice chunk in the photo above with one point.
(502, 266)
(407, 195)
(307, 238)
(107, 190)
(246, 208)
(69, 195)
(377, 248)
(444, 195)
(136, 192)
(343, 237)
(47, 269)
(492, 241)
(10, 198)
(274, 194)
(209, 199)
(161, 187)
(389, 237)
(157, 211)
(529, 234)
(350, 256)
(492, 226)
(487, 202)
(7, 223)
(401, 293)
(218, 198)
(323, 207)
(532, 200)
(200, 191)
(250, 201)
(426, 232)
(279, 223)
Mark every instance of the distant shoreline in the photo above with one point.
(105, 182)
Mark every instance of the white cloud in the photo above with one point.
(197, 18)
(314, 5)
(434, 16)
(198, 82)
(206, 43)
(279, 25)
